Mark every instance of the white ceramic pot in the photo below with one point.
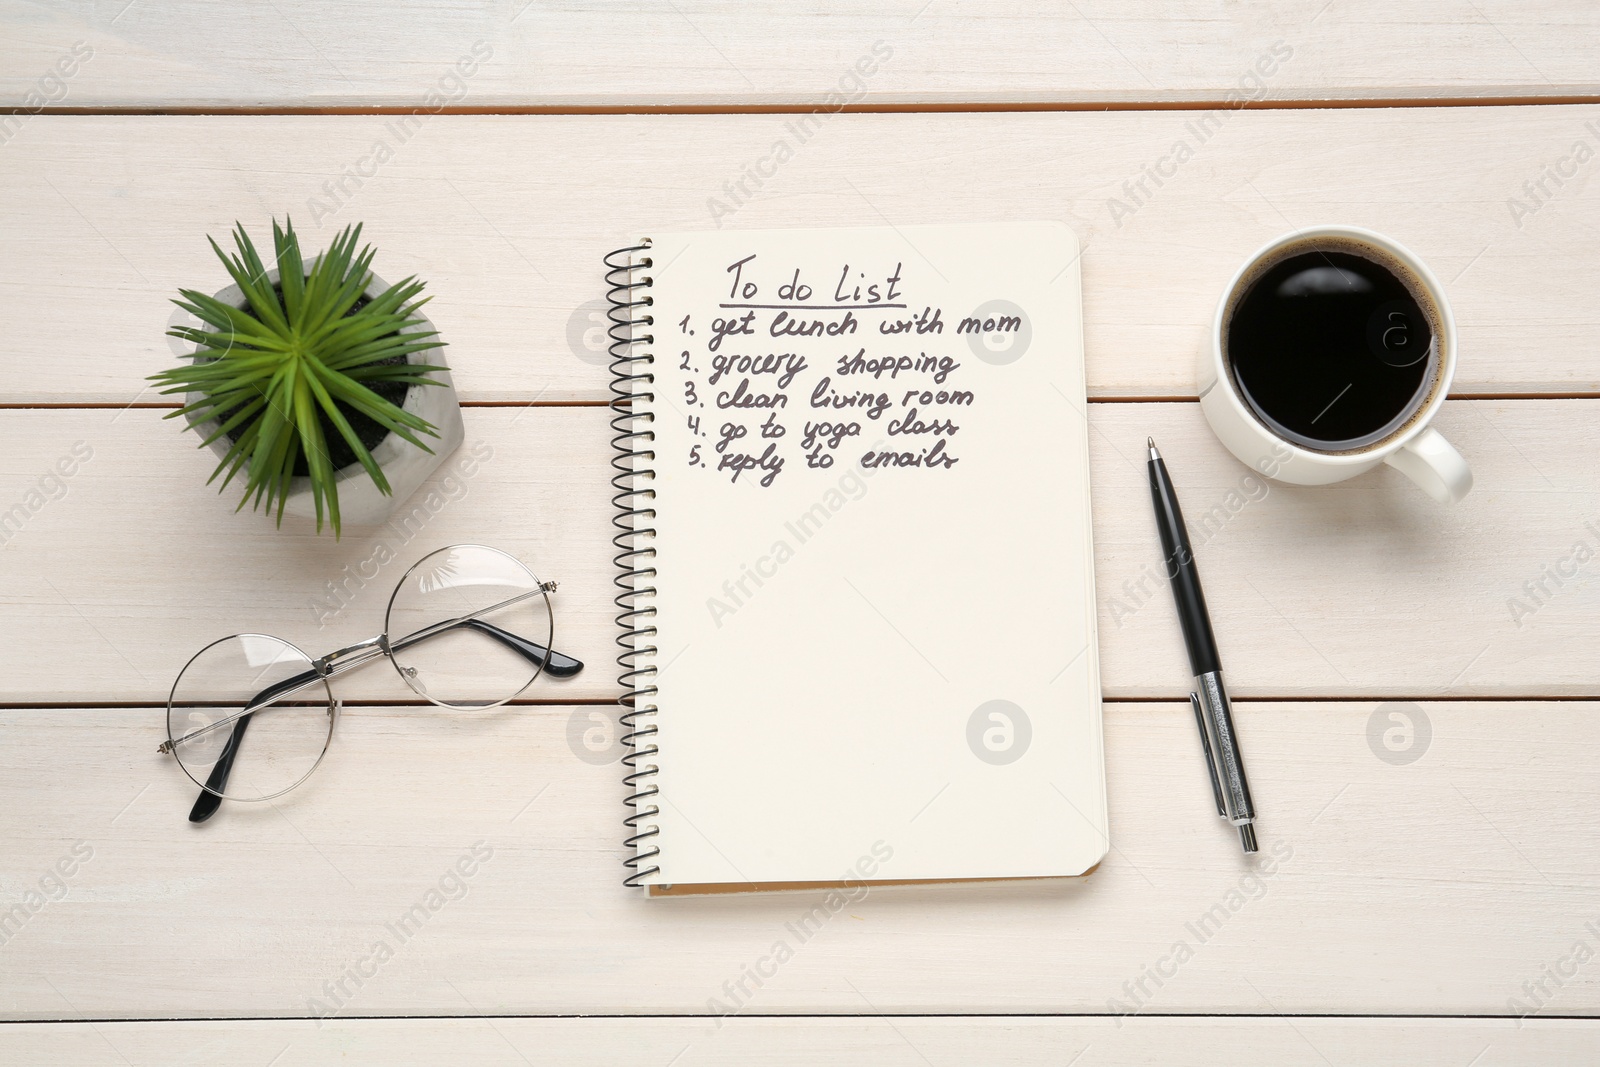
(404, 464)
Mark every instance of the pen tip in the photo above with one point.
(1151, 441)
(1154, 455)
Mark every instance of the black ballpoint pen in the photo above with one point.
(1212, 712)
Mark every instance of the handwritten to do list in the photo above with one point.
(784, 368)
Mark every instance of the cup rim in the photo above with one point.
(1447, 363)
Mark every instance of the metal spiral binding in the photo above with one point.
(631, 382)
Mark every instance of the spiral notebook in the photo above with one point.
(857, 584)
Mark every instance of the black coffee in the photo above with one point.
(1330, 348)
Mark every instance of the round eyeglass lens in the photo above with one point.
(259, 754)
(469, 627)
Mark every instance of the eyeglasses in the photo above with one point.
(438, 634)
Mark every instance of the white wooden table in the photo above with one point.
(1438, 907)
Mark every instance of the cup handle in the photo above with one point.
(1435, 465)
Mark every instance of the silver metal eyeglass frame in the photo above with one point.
(349, 658)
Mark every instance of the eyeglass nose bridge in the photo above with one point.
(350, 657)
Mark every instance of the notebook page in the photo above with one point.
(876, 653)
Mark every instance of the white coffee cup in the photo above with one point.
(1416, 449)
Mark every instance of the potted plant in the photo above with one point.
(317, 380)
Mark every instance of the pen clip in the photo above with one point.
(1205, 748)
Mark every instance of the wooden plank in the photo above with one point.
(129, 612)
(506, 218)
(1366, 588)
(1438, 886)
(911, 1042)
(719, 53)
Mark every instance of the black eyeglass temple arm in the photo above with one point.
(556, 663)
(207, 802)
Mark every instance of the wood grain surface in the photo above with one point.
(1366, 588)
(1361, 902)
(294, 53)
(1417, 683)
(506, 219)
(891, 1042)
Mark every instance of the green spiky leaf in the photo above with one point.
(299, 352)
